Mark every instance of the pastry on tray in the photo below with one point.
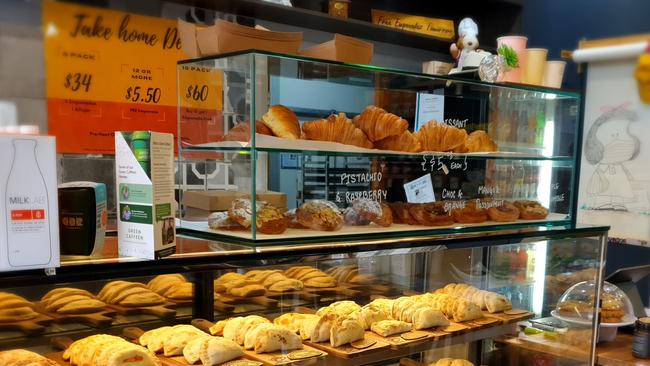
(369, 314)
(506, 212)
(293, 321)
(222, 221)
(320, 215)
(406, 141)
(67, 300)
(170, 340)
(436, 136)
(269, 219)
(336, 128)
(430, 214)
(401, 214)
(172, 286)
(319, 331)
(129, 294)
(346, 329)
(242, 131)
(311, 277)
(353, 218)
(612, 309)
(531, 210)
(343, 308)
(451, 362)
(14, 308)
(389, 327)
(470, 214)
(211, 351)
(276, 338)
(283, 122)
(20, 357)
(108, 350)
(350, 274)
(479, 141)
(251, 336)
(378, 124)
(373, 211)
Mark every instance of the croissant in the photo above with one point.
(378, 124)
(436, 136)
(242, 131)
(479, 141)
(337, 128)
(406, 141)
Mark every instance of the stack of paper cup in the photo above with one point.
(553, 74)
(534, 65)
(518, 44)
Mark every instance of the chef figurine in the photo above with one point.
(467, 41)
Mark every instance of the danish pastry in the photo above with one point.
(270, 220)
(480, 141)
(336, 128)
(353, 218)
(406, 141)
(470, 214)
(370, 210)
(241, 211)
(283, 122)
(320, 215)
(431, 214)
(222, 221)
(401, 214)
(378, 124)
(507, 212)
(531, 210)
(436, 136)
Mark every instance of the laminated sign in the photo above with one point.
(108, 71)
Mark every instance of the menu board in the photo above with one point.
(110, 71)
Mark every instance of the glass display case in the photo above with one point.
(340, 150)
(482, 297)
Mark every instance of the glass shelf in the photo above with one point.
(527, 153)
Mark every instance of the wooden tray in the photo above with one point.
(30, 326)
(508, 319)
(100, 319)
(161, 311)
(396, 341)
(223, 308)
(259, 300)
(347, 351)
(269, 359)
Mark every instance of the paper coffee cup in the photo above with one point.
(534, 65)
(553, 74)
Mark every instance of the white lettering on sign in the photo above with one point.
(349, 197)
(459, 123)
(360, 177)
(486, 190)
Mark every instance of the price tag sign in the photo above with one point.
(109, 71)
(420, 190)
(201, 102)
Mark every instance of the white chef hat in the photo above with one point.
(467, 27)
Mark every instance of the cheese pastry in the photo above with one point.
(345, 330)
(389, 327)
(277, 338)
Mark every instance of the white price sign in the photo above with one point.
(420, 190)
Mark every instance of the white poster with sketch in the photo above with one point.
(615, 169)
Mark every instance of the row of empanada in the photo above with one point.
(455, 308)
(15, 308)
(108, 350)
(257, 333)
(16, 357)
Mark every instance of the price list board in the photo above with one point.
(110, 71)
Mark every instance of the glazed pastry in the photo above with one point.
(479, 141)
(222, 221)
(277, 338)
(436, 136)
(107, 350)
(507, 212)
(242, 131)
(129, 294)
(378, 124)
(20, 357)
(531, 210)
(270, 220)
(321, 330)
(290, 218)
(172, 286)
(343, 308)
(431, 214)
(336, 128)
(401, 214)
(283, 122)
(389, 327)
(211, 351)
(374, 211)
(406, 141)
(320, 215)
(470, 214)
(345, 330)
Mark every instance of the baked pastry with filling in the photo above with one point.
(470, 214)
(23, 357)
(378, 124)
(506, 212)
(479, 141)
(389, 327)
(283, 122)
(436, 136)
(371, 210)
(320, 215)
(345, 329)
(242, 131)
(431, 214)
(531, 210)
(276, 338)
(406, 141)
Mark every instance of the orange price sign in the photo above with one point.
(200, 101)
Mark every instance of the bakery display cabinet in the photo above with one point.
(479, 298)
(277, 148)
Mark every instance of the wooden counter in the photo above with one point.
(619, 353)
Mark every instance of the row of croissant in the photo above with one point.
(372, 128)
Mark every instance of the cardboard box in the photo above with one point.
(144, 169)
(29, 220)
(225, 37)
(342, 48)
(436, 67)
(211, 201)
